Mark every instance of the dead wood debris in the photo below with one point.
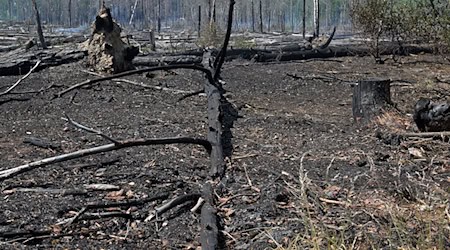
(99, 205)
(208, 74)
(217, 131)
(62, 192)
(42, 143)
(8, 173)
(171, 204)
(140, 84)
(91, 130)
(21, 79)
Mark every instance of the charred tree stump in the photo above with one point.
(370, 97)
(152, 40)
(107, 52)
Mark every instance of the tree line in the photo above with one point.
(251, 15)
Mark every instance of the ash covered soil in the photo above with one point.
(301, 173)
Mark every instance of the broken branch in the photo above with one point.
(139, 71)
(21, 79)
(171, 204)
(428, 134)
(100, 149)
(91, 130)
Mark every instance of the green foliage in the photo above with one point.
(211, 36)
(423, 20)
(243, 42)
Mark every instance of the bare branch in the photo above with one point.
(176, 91)
(129, 203)
(223, 52)
(427, 134)
(191, 94)
(5, 174)
(139, 71)
(21, 79)
(171, 204)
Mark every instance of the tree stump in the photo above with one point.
(152, 40)
(370, 96)
(107, 53)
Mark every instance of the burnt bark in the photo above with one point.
(370, 97)
(107, 52)
(39, 26)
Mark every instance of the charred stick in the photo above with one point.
(91, 130)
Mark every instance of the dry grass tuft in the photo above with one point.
(394, 122)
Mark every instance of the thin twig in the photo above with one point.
(427, 134)
(171, 204)
(191, 94)
(240, 157)
(334, 202)
(249, 181)
(77, 216)
(21, 79)
(129, 203)
(198, 205)
(176, 91)
(91, 130)
(62, 192)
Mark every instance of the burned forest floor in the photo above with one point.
(303, 174)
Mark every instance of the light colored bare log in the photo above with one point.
(8, 173)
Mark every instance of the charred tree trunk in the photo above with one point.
(39, 26)
(304, 20)
(261, 25)
(107, 52)
(152, 40)
(369, 98)
(199, 24)
(316, 18)
(159, 16)
(253, 16)
(213, 20)
(70, 12)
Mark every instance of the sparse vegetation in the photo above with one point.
(243, 42)
(211, 36)
(402, 21)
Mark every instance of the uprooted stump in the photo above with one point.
(370, 97)
(107, 52)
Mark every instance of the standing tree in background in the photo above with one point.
(304, 20)
(316, 18)
(39, 27)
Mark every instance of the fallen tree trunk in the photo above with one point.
(19, 61)
(332, 51)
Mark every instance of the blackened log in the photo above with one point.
(209, 221)
(432, 116)
(370, 96)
